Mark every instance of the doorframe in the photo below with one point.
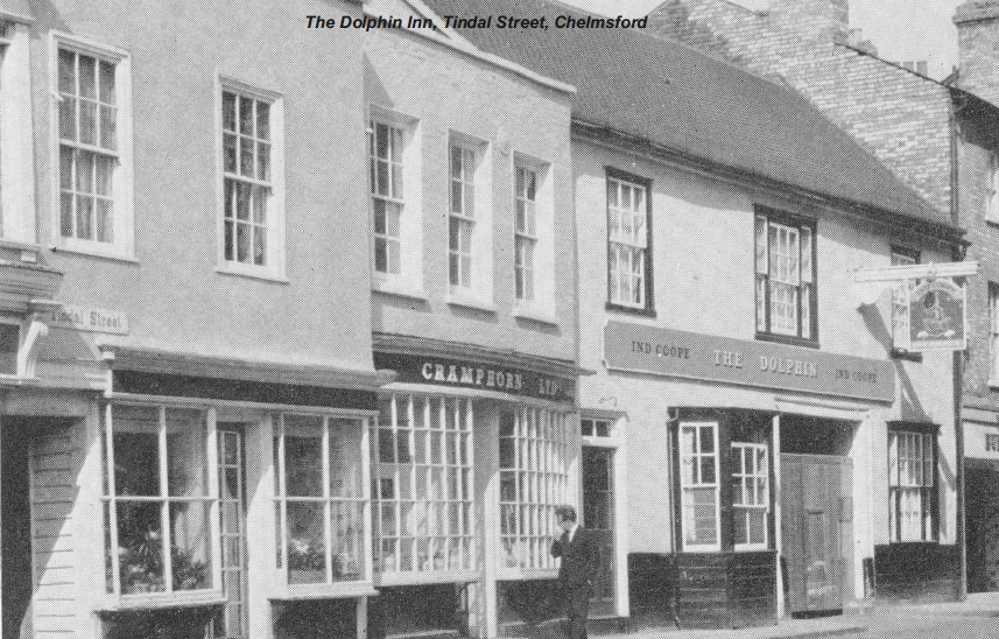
(615, 440)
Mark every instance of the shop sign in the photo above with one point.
(461, 373)
(87, 318)
(672, 353)
(937, 316)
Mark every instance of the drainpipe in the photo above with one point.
(955, 203)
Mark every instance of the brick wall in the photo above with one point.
(899, 116)
(978, 42)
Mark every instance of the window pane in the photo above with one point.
(190, 536)
(67, 118)
(345, 458)
(303, 455)
(136, 451)
(306, 545)
(107, 90)
(187, 469)
(348, 540)
(140, 547)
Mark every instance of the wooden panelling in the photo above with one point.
(921, 572)
(708, 590)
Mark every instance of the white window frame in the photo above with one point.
(478, 293)
(697, 483)
(122, 245)
(408, 282)
(745, 485)
(541, 306)
(796, 273)
(281, 500)
(911, 480)
(993, 334)
(274, 261)
(900, 301)
(414, 424)
(634, 250)
(17, 177)
(540, 444)
(109, 499)
(992, 187)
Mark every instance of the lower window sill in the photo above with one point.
(162, 601)
(253, 274)
(399, 289)
(324, 591)
(534, 314)
(474, 303)
(106, 254)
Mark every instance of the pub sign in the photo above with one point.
(937, 316)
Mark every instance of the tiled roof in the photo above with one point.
(675, 97)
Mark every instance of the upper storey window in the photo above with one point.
(786, 301)
(94, 151)
(252, 182)
(629, 249)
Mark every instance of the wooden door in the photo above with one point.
(817, 531)
(598, 516)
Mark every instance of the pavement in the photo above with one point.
(975, 618)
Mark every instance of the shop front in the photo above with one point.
(791, 479)
(472, 451)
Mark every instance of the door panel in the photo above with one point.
(817, 531)
(598, 516)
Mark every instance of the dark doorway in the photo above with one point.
(15, 518)
(598, 516)
(982, 508)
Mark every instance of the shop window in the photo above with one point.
(424, 518)
(157, 501)
(533, 465)
(320, 501)
(629, 246)
(750, 496)
(786, 301)
(699, 486)
(252, 181)
(94, 151)
(911, 481)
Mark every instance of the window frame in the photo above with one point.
(684, 486)
(413, 416)
(764, 330)
(541, 441)
(902, 256)
(122, 245)
(993, 297)
(927, 435)
(991, 208)
(281, 499)
(744, 477)
(478, 293)
(275, 247)
(542, 307)
(409, 281)
(647, 307)
(109, 500)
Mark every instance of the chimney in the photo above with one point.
(978, 44)
(813, 19)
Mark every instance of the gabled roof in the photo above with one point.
(675, 97)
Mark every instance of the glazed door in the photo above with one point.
(231, 623)
(817, 531)
(598, 516)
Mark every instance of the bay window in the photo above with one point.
(786, 302)
(699, 495)
(159, 502)
(320, 500)
(534, 479)
(422, 483)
